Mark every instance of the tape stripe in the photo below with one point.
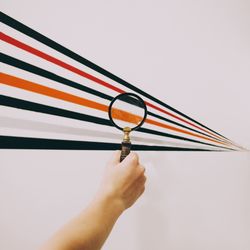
(49, 75)
(41, 108)
(52, 44)
(11, 142)
(60, 63)
(119, 114)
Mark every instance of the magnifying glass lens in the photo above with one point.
(127, 111)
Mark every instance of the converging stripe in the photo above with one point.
(119, 114)
(45, 109)
(58, 62)
(49, 75)
(11, 142)
(54, 45)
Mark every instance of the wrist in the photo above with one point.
(110, 203)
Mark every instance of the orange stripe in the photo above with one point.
(116, 113)
(40, 89)
(125, 116)
(37, 88)
(159, 124)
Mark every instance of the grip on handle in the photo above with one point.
(126, 146)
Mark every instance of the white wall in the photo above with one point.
(198, 52)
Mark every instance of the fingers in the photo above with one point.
(126, 180)
(141, 178)
(131, 160)
(115, 158)
(142, 191)
(130, 164)
(139, 173)
(131, 167)
(139, 187)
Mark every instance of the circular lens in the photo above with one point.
(127, 110)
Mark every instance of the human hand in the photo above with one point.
(123, 182)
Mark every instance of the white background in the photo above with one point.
(195, 56)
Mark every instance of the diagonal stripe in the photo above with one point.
(35, 107)
(44, 73)
(36, 52)
(47, 127)
(49, 75)
(11, 142)
(119, 114)
(56, 61)
(54, 45)
(40, 89)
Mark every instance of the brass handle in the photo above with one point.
(126, 144)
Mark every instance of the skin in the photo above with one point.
(122, 184)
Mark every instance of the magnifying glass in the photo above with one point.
(127, 112)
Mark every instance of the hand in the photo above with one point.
(124, 182)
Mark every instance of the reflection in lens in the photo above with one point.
(127, 111)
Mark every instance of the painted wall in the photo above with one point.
(192, 55)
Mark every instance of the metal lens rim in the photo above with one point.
(143, 106)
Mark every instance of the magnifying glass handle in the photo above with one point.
(126, 146)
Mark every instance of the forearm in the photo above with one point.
(89, 230)
(122, 184)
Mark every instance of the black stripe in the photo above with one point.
(150, 131)
(11, 142)
(52, 44)
(44, 73)
(183, 126)
(31, 106)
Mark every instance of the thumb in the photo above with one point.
(131, 160)
(115, 158)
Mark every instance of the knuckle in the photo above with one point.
(142, 170)
(140, 176)
(134, 156)
(139, 172)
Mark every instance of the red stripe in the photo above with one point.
(56, 61)
(177, 117)
(60, 63)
